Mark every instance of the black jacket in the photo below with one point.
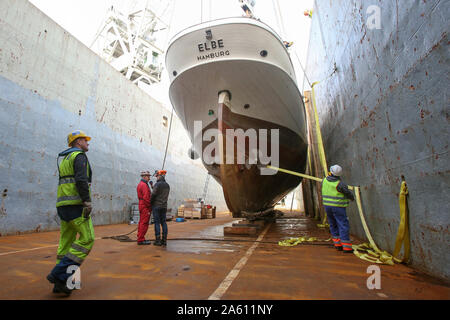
(160, 194)
(341, 187)
(81, 178)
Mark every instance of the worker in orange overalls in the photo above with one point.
(144, 195)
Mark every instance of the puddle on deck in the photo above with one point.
(282, 229)
(205, 246)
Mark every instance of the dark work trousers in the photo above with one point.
(339, 226)
(159, 216)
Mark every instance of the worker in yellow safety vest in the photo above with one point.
(336, 196)
(74, 208)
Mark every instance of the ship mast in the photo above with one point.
(128, 40)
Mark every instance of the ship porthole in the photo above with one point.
(174, 73)
(246, 106)
(263, 53)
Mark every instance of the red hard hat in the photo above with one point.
(161, 172)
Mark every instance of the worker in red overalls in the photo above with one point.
(145, 209)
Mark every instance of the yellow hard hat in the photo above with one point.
(75, 135)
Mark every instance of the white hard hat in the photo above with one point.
(336, 170)
(145, 173)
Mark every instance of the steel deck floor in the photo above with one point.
(194, 269)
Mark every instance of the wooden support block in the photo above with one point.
(259, 223)
(239, 230)
(257, 226)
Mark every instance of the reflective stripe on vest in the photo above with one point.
(68, 198)
(67, 190)
(332, 197)
(66, 180)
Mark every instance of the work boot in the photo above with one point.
(157, 241)
(145, 242)
(56, 290)
(60, 286)
(164, 240)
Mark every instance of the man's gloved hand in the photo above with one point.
(87, 208)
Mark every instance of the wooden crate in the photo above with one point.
(187, 213)
(204, 212)
(211, 213)
(180, 212)
(197, 213)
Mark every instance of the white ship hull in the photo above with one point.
(246, 58)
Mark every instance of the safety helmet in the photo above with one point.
(71, 137)
(336, 170)
(161, 172)
(145, 173)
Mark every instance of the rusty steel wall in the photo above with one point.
(384, 113)
(51, 84)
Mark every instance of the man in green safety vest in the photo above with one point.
(73, 206)
(336, 196)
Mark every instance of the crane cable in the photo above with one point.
(171, 114)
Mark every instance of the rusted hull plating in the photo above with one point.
(245, 189)
(384, 114)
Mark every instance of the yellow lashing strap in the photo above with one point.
(403, 229)
(295, 173)
(372, 252)
(295, 241)
(324, 223)
(369, 251)
(322, 156)
(366, 251)
(323, 159)
(363, 221)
